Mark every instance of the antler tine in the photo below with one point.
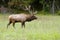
(29, 9)
(34, 11)
(24, 7)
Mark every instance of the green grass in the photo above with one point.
(44, 28)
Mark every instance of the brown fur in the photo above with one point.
(20, 18)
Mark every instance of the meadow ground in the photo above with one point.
(44, 28)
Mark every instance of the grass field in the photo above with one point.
(44, 28)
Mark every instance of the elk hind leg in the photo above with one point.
(9, 24)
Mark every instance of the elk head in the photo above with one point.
(31, 11)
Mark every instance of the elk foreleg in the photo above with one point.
(14, 24)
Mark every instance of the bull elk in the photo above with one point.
(23, 17)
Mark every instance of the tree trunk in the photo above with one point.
(53, 7)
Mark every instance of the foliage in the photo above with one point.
(51, 6)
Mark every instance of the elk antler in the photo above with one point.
(28, 8)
